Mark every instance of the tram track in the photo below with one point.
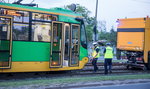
(102, 64)
(117, 69)
(102, 68)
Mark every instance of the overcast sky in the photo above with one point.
(108, 10)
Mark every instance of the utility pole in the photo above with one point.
(95, 27)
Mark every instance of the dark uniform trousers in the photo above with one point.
(108, 62)
(94, 63)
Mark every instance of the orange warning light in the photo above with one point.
(55, 44)
(54, 63)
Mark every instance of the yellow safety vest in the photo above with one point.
(109, 52)
(94, 53)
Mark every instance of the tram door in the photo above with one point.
(5, 41)
(71, 45)
(64, 45)
(74, 49)
(56, 58)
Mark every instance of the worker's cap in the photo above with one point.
(95, 43)
(107, 43)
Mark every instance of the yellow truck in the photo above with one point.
(133, 38)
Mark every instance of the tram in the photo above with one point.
(35, 39)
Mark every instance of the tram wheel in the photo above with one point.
(147, 66)
(128, 67)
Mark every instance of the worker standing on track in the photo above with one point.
(95, 56)
(108, 55)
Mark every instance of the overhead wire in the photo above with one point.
(32, 1)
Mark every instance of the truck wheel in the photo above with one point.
(148, 67)
(128, 67)
(145, 68)
(118, 54)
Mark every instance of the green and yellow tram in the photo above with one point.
(36, 39)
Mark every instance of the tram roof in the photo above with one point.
(56, 11)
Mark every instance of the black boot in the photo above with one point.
(110, 71)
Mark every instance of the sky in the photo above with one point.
(108, 10)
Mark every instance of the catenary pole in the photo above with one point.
(95, 27)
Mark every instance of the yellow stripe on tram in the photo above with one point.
(8, 7)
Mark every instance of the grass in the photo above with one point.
(65, 80)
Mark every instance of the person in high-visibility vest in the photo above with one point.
(95, 56)
(108, 55)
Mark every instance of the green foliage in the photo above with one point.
(103, 35)
(113, 36)
(109, 36)
(89, 32)
(90, 23)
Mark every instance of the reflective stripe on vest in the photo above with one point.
(94, 53)
(109, 52)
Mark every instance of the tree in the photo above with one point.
(109, 36)
(102, 29)
(101, 26)
(113, 36)
(90, 23)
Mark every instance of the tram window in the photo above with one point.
(4, 28)
(20, 31)
(75, 34)
(43, 17)
(67, 34)
(19, 16)
(83, 37)
(41, 31)
(57, 28)
(23, 17)
(54, 18)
